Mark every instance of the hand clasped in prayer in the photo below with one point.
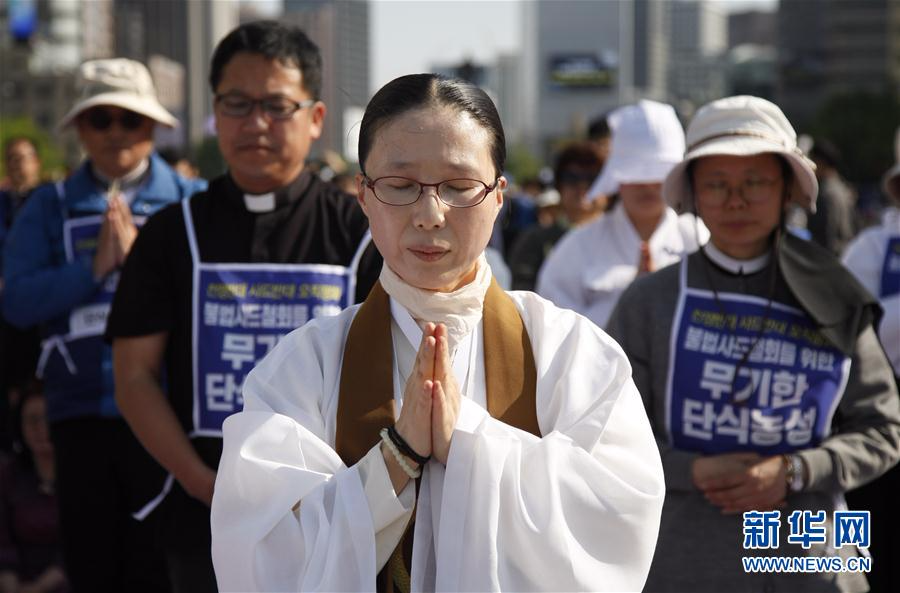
(738, 482)
(431, 397)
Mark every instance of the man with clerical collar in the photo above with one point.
(61, 264)
(212, 284)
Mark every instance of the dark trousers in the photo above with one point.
(19, 350)
(882, 499)
(187, 541)
(103, 475)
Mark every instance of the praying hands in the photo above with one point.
(738, 482)
(117, 235)
(430, 403)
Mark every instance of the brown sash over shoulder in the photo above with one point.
(366, 400)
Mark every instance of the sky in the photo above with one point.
(409, 36)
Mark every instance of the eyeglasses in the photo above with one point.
(276, 107)
(753, 191)
(102, 119)
(456, 193)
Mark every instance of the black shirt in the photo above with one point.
(313, 222)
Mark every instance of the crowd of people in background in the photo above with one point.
(137, 297)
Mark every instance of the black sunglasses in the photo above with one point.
(101, 119)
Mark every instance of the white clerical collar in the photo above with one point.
(736, 266)
(260, 202)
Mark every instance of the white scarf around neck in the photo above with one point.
(460, 310)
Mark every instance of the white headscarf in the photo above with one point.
(459, 310)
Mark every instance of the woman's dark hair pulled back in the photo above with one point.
(415, 91)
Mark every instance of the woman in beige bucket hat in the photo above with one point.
(761, 372)
(61, 267)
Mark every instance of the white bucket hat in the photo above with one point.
(119, 82)
(647, 141)
(742, 126)
(891, 180)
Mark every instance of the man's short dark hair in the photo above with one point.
(275, 41)
(598, 128)
(826, 151)
(583, 155)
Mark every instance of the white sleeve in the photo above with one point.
(889, 330)
(275, 455)
(578, 509)
(864, 257)
(559, 279)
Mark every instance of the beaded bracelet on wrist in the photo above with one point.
(404, 447)
(407, 469)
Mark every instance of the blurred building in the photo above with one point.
(341, 30)
(756, 27)
(176, 39)
(42, 42)
(835, 46)
(698, 39)
(508, 82)
(752, 70)
(502, 80)
(581, 59)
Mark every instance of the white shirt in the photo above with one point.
(864, 257)
(575, 510)
(592, 265)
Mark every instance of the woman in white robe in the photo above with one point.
(588, 270)
(542, 471)
(874, 258)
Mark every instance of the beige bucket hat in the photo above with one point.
(119, 82)
(742, 126)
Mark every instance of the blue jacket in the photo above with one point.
(42, 287)
(8, 211)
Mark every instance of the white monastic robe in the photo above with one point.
(592, 265)
(577, 509)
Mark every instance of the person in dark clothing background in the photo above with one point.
(833, 223)
(212, 284)
(61, 264)
(18, 347)
(30, 549)
(576, 167)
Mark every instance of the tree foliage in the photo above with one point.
(521, 163)
(862, 125)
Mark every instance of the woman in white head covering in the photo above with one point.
(761, 371)
(591, 266)
(538, 467)
(874, 258)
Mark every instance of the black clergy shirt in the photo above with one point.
(313, 222)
